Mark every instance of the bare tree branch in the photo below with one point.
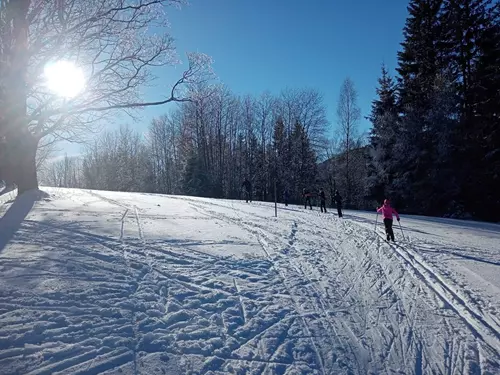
(113, 43)
(348, 116)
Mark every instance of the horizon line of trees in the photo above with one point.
(434, 147)
(209, 146)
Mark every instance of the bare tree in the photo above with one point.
(207, 146)
(46, 150)
(63, 172)
(328, 169)
(305, 106)
(164, 144)
(265, 106)
(117, 161)
(348, 116)
(108, 40)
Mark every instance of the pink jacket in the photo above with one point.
(388, 211)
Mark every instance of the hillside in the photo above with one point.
(118, 283)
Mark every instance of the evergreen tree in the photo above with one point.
(463, 24)
(384, 117)
(441, 187)
(279, 157)
(471, 44)
(448, 95)
(479, 137)
(303, 160)
(386, 102)
(421, 63)
(262, 175)
(420, 60)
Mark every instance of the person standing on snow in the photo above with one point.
(338, 200)
(307, 198)
(387, 212)
(286, 196)
(322, 199)
(248, 190)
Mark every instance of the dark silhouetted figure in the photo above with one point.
(307, 198)
(322, 200)
(286, 197)
(338, 200)
(247, 185)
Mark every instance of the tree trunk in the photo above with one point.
(21, 156)
(20, 145)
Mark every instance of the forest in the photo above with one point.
(433, 149)
(207, 148)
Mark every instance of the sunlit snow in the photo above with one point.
(120, 283)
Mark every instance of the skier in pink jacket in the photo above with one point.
(387, 212)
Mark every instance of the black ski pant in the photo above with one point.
(323, 205)
(308, 200)
(388, 229)
(339, 209)
(248, 196)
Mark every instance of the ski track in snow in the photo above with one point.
(117, 283)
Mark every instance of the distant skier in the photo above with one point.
(307, 198)
(247, 185)
(387, 212)
(322, 200)
(338, 200)
(286, 196)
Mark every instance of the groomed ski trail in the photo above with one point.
(121, 283)
(424, 292)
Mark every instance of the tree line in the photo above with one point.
(433, 148)
(208, 146)
(435, 142)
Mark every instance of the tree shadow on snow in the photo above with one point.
(79, 240)
(79, 285)
(12, 219)
(485, 227)
(480, 257)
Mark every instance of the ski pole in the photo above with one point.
(376, 220)
(400, 227)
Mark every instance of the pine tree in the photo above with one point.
(463, 25)
(252, 160)
(261, 177)
(420, 61)
(471, 44)
(480, 138)
(386, 102)
(441, 189)
(384, 117)
(279, 157)
(303, 160)
(421, 64)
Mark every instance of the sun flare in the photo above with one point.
(64, 78)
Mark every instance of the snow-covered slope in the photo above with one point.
(100, 282)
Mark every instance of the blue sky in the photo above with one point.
(260, 45)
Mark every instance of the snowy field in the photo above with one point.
(116, 283)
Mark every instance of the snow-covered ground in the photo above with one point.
(116, 283)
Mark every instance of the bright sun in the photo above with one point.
(65, 79)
